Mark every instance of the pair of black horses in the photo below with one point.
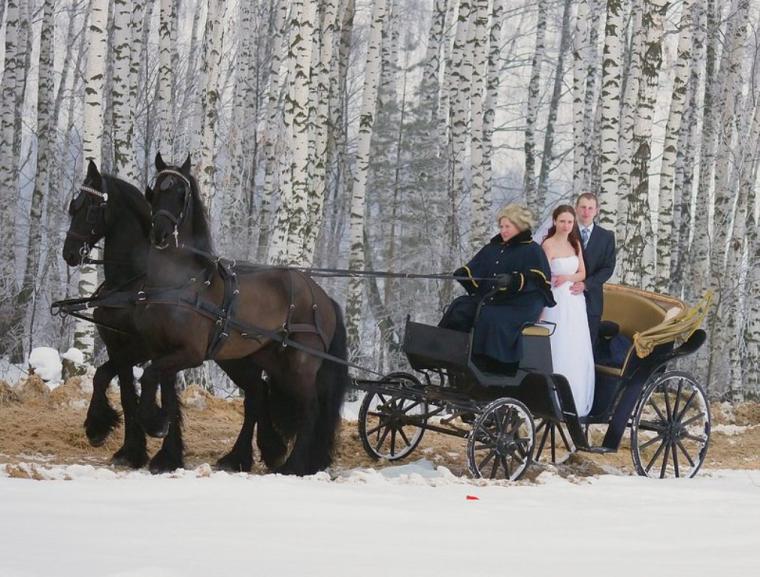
(163, 301)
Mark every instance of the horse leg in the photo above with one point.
(170, 455)
(240, 457)
(101, 416)
(153, 419)
(301, 388)
(133, 453)
(272, 446)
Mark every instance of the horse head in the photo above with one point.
(87, 211)
(178, 213)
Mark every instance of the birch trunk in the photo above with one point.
(210, 72)
(358, 188)
(292, 216)
(492, 99)
(329, 33)
(84, 332)
(271, 130)
(478, 158)
(166, 46)
(31, 277)
(638, 250)
(548, 152)
(123, 105)
(612, 56)
(529, 181)
(8, 185)
(699, 261)
(581, 51)
(672, 133)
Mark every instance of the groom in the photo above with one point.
(599, 257)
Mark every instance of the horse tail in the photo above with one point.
(332, 383)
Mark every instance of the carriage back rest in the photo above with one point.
(431, 347)
(632, 312)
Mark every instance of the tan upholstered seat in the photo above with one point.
(536, 331)
(633, 312)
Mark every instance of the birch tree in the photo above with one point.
(610, 105)
(45, 136)
(548, 152)
(637, 251)
(292, 216)
(209, 74)
(8, 185)
(581, 53)
(530, 185)
(122, 102)
(478, 158)
(358, 188)
(84, 332)
(166, 47)
(672, 133)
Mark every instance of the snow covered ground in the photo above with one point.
(410, 520)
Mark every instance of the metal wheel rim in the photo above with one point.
(384, 435)
(670, 432)
(501, 442)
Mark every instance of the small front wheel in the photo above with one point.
(670, 430)
(391, 426)
(500, 445)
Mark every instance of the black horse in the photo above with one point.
(197, 307)
(110, 208)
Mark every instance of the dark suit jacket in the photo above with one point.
(599, 257)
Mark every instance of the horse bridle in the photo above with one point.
(99, 219)
(176, 220)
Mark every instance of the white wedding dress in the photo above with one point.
(572, 355)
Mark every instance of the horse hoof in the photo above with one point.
(157, 428)
(234, 464)
(97, 439)
(163, 463)
(133, 460)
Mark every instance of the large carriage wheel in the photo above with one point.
(501, 442)
(671, 427)
(391, 426)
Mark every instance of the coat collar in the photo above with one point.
(520, 238)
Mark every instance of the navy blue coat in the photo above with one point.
(505, 310)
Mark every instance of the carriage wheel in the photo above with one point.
(391, 426)
(501, 441)
(558, 440)
(671, 427)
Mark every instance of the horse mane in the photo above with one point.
(133, 198)
(201, 228)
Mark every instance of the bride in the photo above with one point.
(572, 355)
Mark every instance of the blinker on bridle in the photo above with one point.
(176, 220)
(86, 247)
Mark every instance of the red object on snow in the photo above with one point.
(472, 498)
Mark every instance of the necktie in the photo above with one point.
(584, 236)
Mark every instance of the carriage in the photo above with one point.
(502, 416)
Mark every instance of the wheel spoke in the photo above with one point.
(667, 403)
(491, 454)
(664, 462)
(543, 441)
(393, 442)
(656, 454)
(410, 407)
(702, 440)
(650, 442)
(678, 398)
(381, 438)
(505, 464)
(657, 410)
(675, 458)
(685, 452)
(404, 437)
(494, 468)
(691, 420)
(651, 426)
(686, 406)
(564, 439)
(374, 429)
